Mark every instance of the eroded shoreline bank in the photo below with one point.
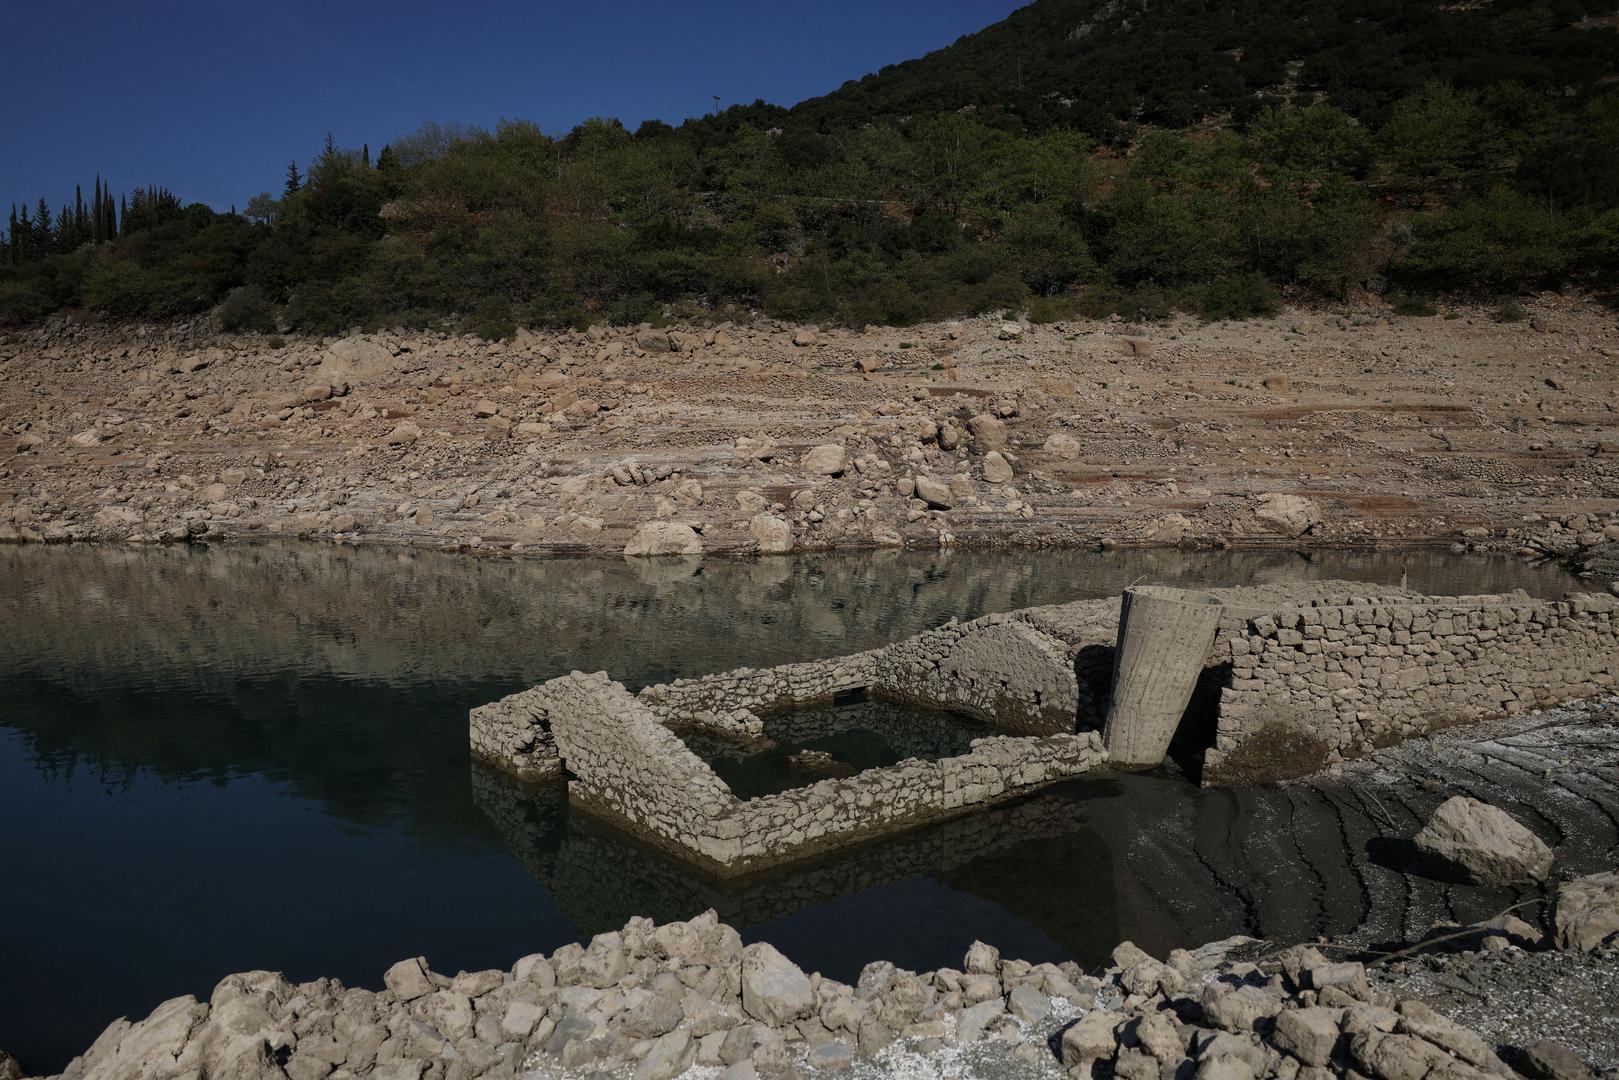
(1312, 430)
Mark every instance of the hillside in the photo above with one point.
(1097, 65)
(1135, 157)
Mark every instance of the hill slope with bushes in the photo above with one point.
(1081, 155)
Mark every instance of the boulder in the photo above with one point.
(1587, 912)
(9, 1068)
(355, 359)
(652, 340)
(989, 432)
(804, 337)
(1091, 1037)
(827, 460)
(1028, 1004)
(663, 538)
(403, 435)
(1547, 1060)
(830, 1055)
(671, 1055)
(1292, 515)
(981, 959)
(1485, 842)
(774, 535)
(936, 493)
(774, 989)
(409, 979)
(997, 470)
(1062, 446)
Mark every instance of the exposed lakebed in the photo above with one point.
(212, 761)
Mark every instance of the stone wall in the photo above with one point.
(627, 766)
(514, 734)
(622, 759)
(1327, 681)
(730, 702)
(999, 669)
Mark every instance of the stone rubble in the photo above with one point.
(656, 1001)
(1075, 434)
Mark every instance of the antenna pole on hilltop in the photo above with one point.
(716, 104)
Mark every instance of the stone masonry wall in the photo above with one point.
(730, 702)
(628, 767)
(1320, 683)
(998, 669)
(514, 734)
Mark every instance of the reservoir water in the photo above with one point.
(256, 757)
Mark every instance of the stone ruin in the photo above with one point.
(1256, 683)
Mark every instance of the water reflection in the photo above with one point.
(255, 757)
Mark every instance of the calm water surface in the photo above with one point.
(256, 757)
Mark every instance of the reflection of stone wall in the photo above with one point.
(1317, 683)
(599, 877)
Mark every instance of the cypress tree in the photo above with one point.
(42, 227)
(294, 181)
(365, 155)
(96, 235)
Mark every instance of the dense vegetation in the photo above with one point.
(1099, 156)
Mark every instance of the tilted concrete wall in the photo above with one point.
(1318, 683)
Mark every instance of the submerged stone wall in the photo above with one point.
(1297, 678)
(1323, 682)
(626, 765)
(730, 702)
(514, 734)
(999, 669)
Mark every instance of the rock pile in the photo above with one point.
(653, 1001)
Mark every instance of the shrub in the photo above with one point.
(247, 308)
(1050, 309)
(1510, 311)
(1239, 296)
(492, 319)
(1411, 304)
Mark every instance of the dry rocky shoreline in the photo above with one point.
(1317, 428)
(654, 1002)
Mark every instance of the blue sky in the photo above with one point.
(212, 100)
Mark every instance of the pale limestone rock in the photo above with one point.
(1485, 841)
(664, 538)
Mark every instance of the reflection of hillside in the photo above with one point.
(218, 614)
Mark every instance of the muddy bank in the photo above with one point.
(1314, 429)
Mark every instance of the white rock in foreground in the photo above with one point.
(774, 989)
(1485, 841)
